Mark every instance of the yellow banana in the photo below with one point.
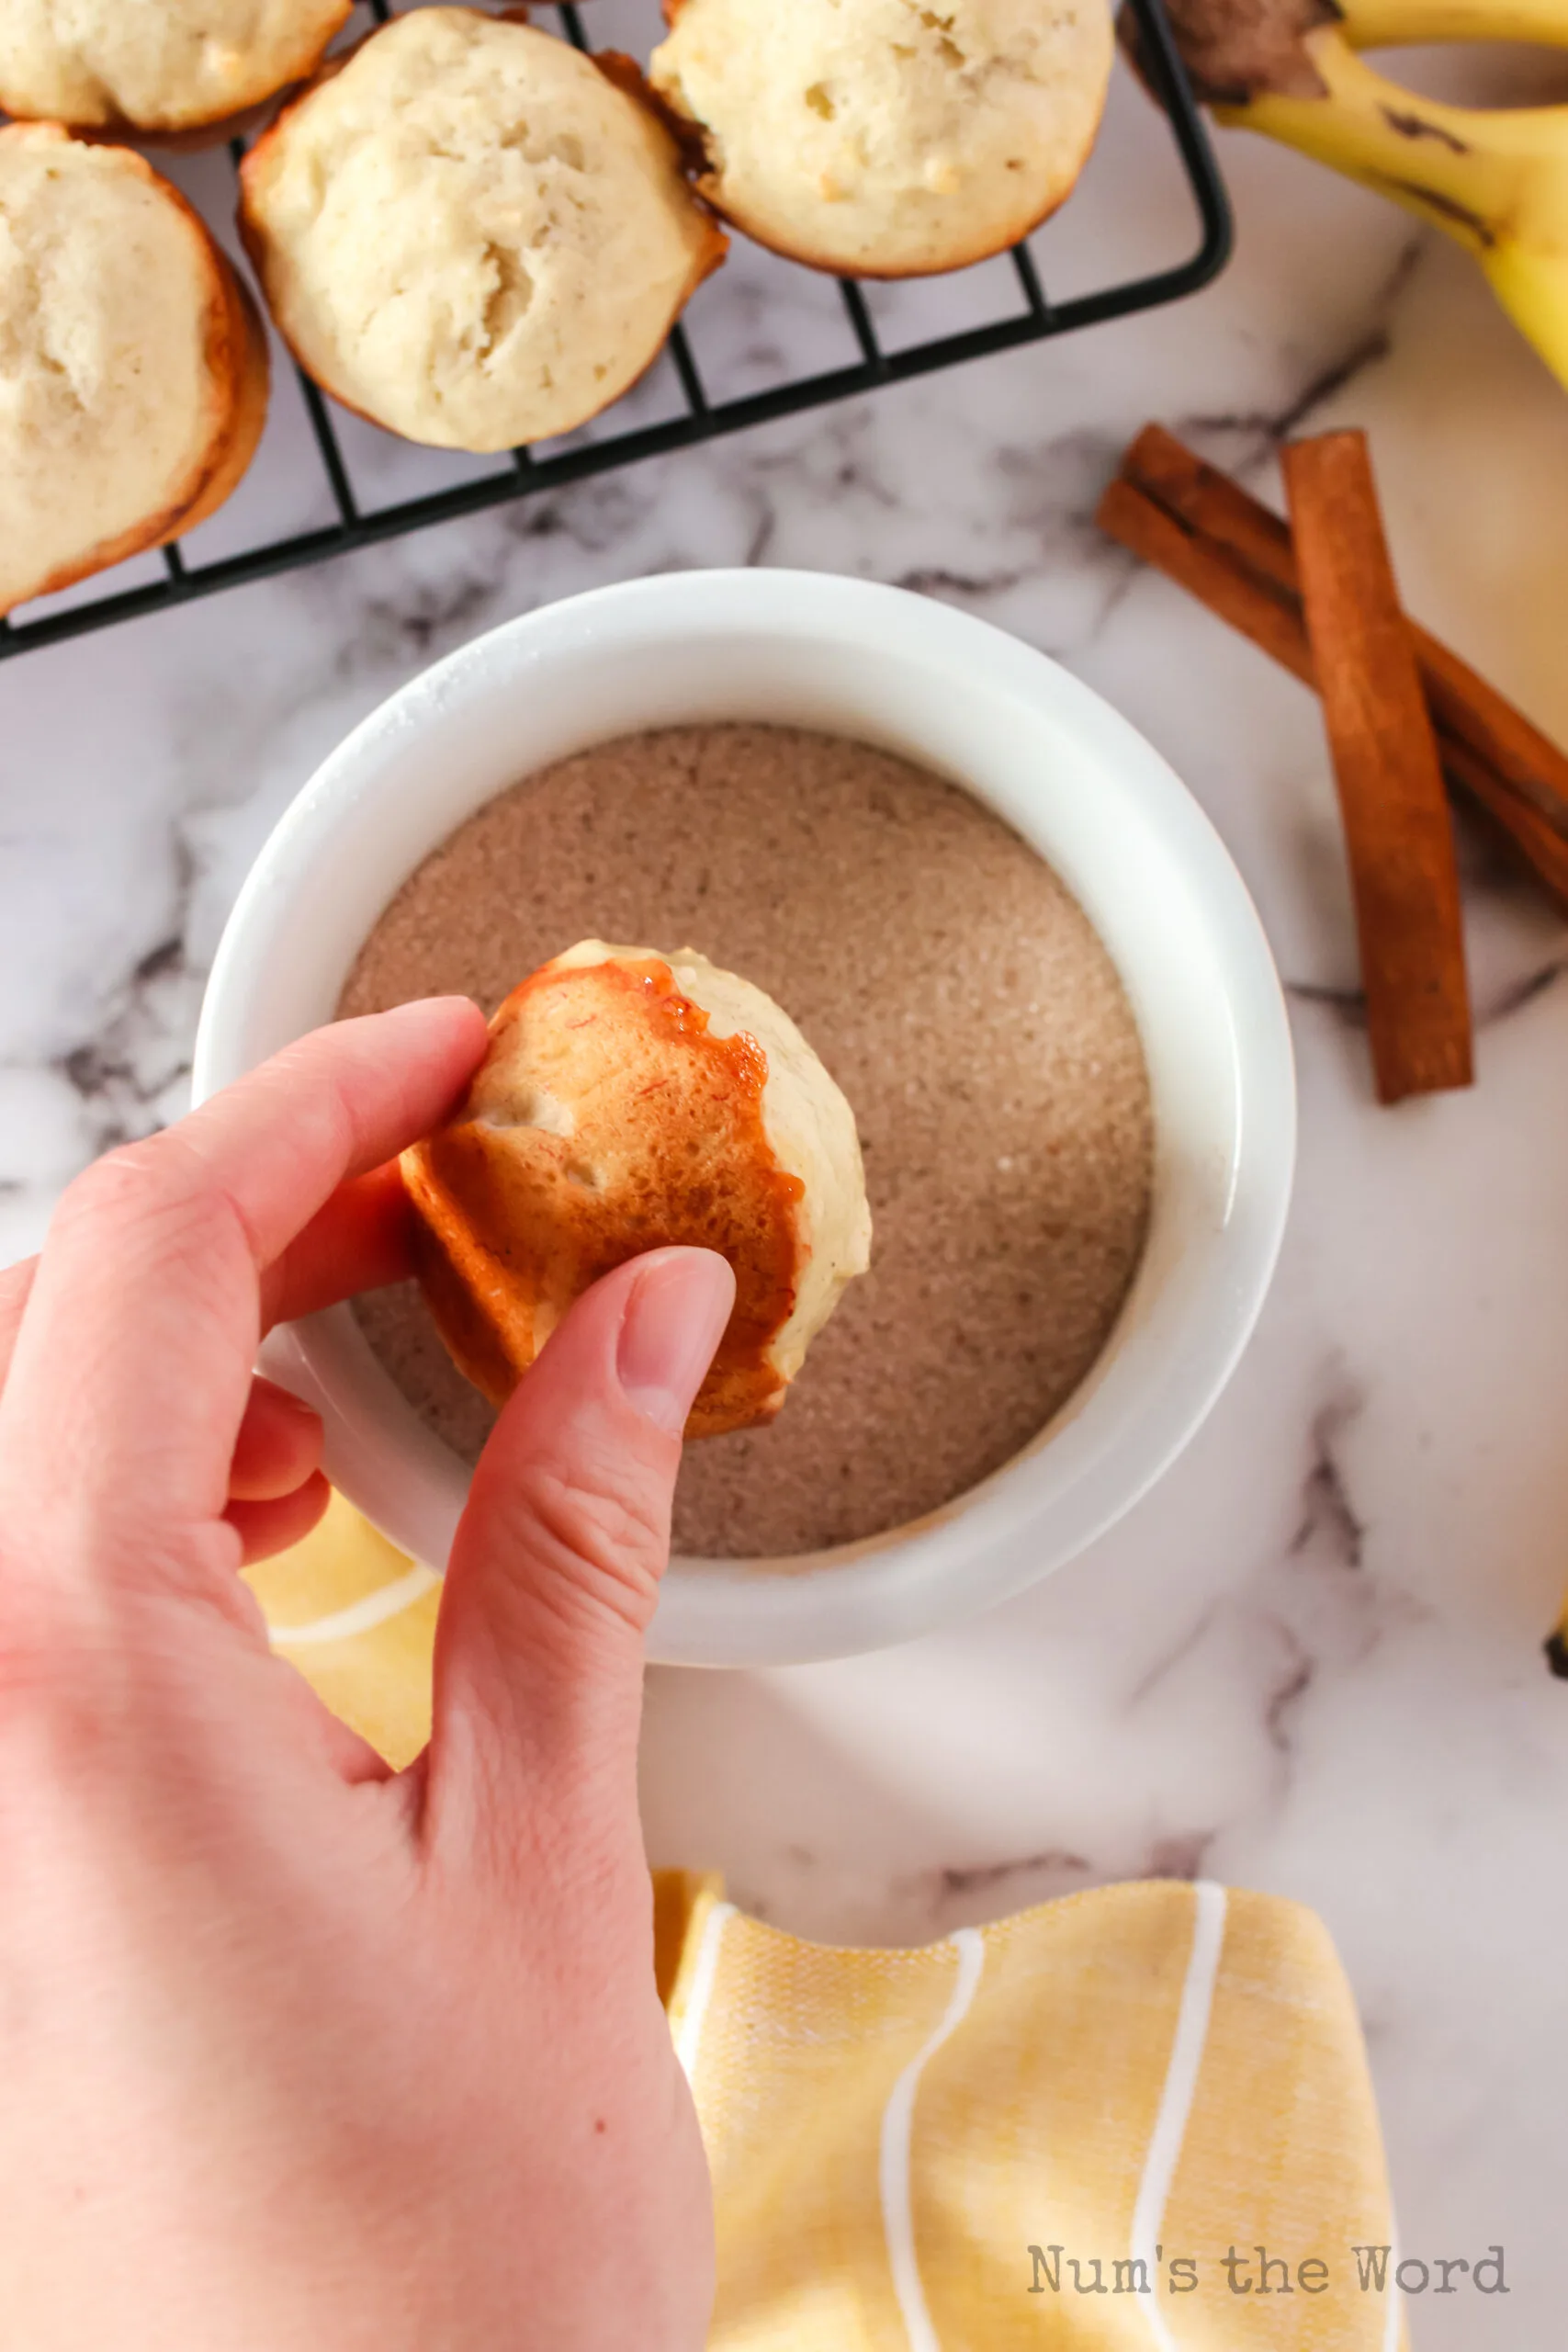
(1495, 179)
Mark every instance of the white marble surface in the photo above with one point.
(1310, 1661)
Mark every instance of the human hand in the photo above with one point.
(295, 2051)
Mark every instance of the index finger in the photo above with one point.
(358, 1240)
(133, 1360)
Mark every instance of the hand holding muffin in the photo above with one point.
(250, 1971)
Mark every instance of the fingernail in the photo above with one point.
(674, 1319)
(287, 1399)
(432, 1012)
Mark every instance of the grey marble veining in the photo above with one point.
(1309, 1661)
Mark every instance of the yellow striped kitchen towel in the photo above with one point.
(1138, 2119)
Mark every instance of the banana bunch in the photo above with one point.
(1495, 179)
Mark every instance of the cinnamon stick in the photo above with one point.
(1464, 707)
(1542, 844)
(1397, 826)
(1209, 503)
(1207, 569)
(1201, 528)
(1469, 711)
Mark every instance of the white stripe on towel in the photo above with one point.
(704, 1970)
(360, 1616)
(1391, 2321)
(1176, 2099)
(897, 2133)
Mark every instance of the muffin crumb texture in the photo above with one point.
(890, 137)
(132, 373)
(471, 235)
(156, 64)
(961, 998)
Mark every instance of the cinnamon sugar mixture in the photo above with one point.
(961, 998)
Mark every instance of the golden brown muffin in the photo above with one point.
(159, 66)
(888, 139)
(471, 233)
(133, 372)
(627, 1101)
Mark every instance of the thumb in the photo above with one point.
(556, 1567)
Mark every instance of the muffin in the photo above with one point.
(471, 233)
(132, 363)
(887, 140)
(156, 65)
(630, 1100)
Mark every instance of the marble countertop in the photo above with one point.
(1310, 1661)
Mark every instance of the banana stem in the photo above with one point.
(1494, 179)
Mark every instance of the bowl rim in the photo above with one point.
(975, 1551)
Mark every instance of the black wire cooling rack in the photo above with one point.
(703, 418)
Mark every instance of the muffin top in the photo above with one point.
(470, 234)
(628, 1100)
(156, 64)
(889, 139)
(111, 312)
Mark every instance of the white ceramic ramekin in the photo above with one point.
(916, 677)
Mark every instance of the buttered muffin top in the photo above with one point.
(156, 64)
(631, 1100)
(470, 234)
(887, 138)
